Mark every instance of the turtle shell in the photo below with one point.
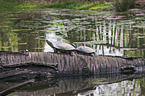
(64, 46)
(85, 49)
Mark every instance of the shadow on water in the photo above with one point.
(94, 85)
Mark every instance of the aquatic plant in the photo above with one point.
(123, 5)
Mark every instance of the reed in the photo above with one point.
(123, 5)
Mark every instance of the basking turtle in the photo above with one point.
(62, 47)
(85, 50)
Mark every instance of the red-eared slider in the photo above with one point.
(85, 50)
(62, 47)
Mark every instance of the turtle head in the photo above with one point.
(49, 43)
(73, 45)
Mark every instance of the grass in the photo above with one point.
(123, 5)
(119, 5)
(15, 5)
(7, 4)
(79, 5)
(104, 6)
(10, 6)
(68, 5)
(26, 5)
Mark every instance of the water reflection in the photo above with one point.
(100, 85)
(120, 34)
(123, 88)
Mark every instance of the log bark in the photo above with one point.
(65, 64)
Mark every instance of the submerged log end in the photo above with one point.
(128, 69)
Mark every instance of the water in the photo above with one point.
(100, 85)
(108, 33)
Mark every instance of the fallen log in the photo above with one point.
(26, 72)
(65, 64)
(13, 73)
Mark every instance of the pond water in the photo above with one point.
(100, 85)
(108, 33)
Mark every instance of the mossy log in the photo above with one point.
(66, 64)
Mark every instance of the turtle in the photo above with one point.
(84, 50)
(62, 47)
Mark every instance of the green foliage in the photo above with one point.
(13, 5)
(103, 6)
(8, 4)
(69, 5)
(96, 6)
(123, 5)
(80, 5)
(26, 6)
(7, 7)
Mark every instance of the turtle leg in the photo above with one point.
(72, 53)
(59, 52)
(92, 54)
(55, 51)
